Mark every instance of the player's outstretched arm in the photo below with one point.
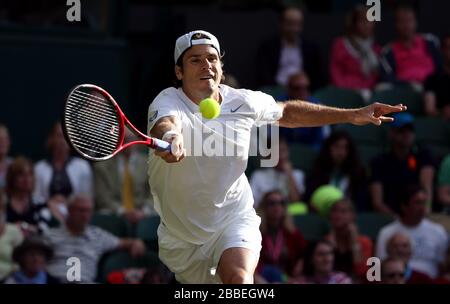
(168, 128)
(297, 113)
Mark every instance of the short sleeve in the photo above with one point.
(442, 245)
(266, 109)
(444, 172)
(163, 105)
(106, 241)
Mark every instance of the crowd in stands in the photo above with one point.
(314, 222)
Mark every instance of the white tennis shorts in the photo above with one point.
(197, 264)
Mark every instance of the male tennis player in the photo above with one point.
(209, 231)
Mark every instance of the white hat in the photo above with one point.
(194, 38)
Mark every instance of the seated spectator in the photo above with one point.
(404, 164)
(61, 175)
(282, 177)
(338, 164)
(393, 271)
(429, 239)
(121, 184)
(21, 208)
(443, 184)
(351, 249)
(437, 94)
(319, 266)
(412, 57)
(399, 247)
(88, 243)
(288, 53)
(283, 245)
(298, 88)
(32, 256)
(354, 57)
(10, 237)
(5, 160)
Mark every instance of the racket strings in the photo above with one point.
(92, 124)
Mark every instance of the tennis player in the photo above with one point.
(209, 231)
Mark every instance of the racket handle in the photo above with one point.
(161, 145)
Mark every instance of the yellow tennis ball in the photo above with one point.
(209, 108)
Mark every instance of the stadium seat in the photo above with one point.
(432, 131)
(337, 97)
(302, 156)
(146, 230)
(368, 153)
(120, 260)
(112, 223)
(312, 226)
(402, 94)
(365, 135)
(370, 223)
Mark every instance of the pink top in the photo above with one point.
(415, 63)
(346, 70)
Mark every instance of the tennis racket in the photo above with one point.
(94, 125)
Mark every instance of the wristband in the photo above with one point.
(169, 134)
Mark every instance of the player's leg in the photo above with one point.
(237, 266)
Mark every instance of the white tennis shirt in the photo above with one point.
(201, 194)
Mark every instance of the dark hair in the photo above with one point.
(404, 6)
(352, 17)
(323, 166)
(407, 193)
(308, 263)
(17, 167)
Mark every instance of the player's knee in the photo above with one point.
(239, 276)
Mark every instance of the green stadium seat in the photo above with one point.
(120, 260)
(368, 152)
(147, 229)
(402, 94)
(341, 98)
(432, 131)
(302, 156)
(370, 223)
(312, 226)
(112, 223)
(365, 135)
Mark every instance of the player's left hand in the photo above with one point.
(375, 114)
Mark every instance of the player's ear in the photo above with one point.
(179, 72)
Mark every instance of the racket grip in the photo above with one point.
(161, 145)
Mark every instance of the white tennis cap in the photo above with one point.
(194, 38)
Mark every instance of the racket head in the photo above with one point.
(93, 123)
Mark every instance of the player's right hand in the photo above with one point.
(177, 149)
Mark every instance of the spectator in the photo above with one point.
(354, 57)
(351, 249)
(437, 94)
(429, 239)
(412, 57)
(32, 256)
(288, 53)
(283, 177)
(61, 175)
(298, 88)
(338, 164)
(393, 271)
(121, 184)
(10, 237)
(319, 266)
(404, 164)
(77, 238)
(30, 215)
(399, 247)
(283, 245)
(5, 160)
(443, 191)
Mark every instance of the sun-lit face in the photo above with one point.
(201, 72)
